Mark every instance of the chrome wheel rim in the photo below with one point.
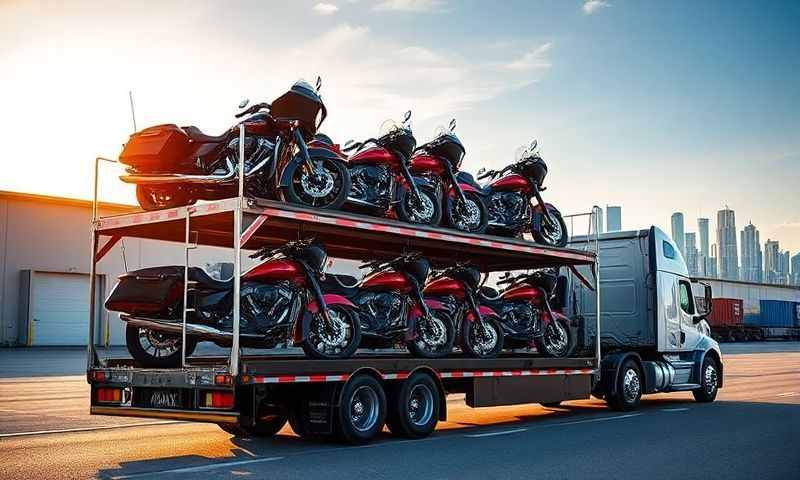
(432, 335)
(556, 338)
(317, 185)
(333, 339)
(420, 209)
(157, 344)
(420, 405)
(710, 377)
(631, 385)
(551, 231)
(364, 408)
(484, 338)
(468, 215)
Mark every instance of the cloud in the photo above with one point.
(532, 60)
(592, 6)
(325, 9)
(409, 5)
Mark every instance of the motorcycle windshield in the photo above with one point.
(397, 137)
(449, 146)
(301, 103)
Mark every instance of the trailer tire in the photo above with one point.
(263, 428)
(362, 410)
(709, 381)
(628, 391)
(414, 407)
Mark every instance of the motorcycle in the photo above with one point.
(456, 288)
(527, 315)
(391, 308)
(281, 303)
(382, 184)
(174, 166)
(508, 197)
(438, 161)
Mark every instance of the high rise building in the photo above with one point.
(711, 262)
(772, 261)
(752, 262)
(692, 254)
(727, 257)
(702, 230)
(783, 268)
(614, 218)
(677, 232)
(795, 267)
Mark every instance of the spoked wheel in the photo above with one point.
(325, 187)
(162, 196)
(155, 349)
(628, 389)
(556, 341)
(552, 231)
(362, 409)
(709, 382)
(424, 209)
(337, 338)
(414, 407)
(433, 337)
(482, 339)
(470, 216)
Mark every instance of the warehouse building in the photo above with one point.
(752, 293)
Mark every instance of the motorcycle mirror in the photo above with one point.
(319, 83)
(534, 143)
(452, 124)
(349, 144)
(407, 116)
(244, 102)
(481, 171)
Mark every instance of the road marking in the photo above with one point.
(87, 429)
(592, 420)
(683, 409)
(787, 394)
(492, 434)
(201, 468)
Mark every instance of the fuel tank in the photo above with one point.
(387, 281)
(445, 286)
(374, 156)
(512, 182)
(276, 270)
(523, 293)
(427, 163)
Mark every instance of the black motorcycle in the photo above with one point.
(281, 303)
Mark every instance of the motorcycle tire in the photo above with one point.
(468, 345)
(547, 348)
(171, 197)
(483, 214)
(405, 209)
(294, 192)
(141, 355)
(314, 351)
(553, 236)
(417, 347)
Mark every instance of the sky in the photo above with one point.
(655, 106)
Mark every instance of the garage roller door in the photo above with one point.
(60, 309)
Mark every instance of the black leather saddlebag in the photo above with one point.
(156, 148)
(155, 292)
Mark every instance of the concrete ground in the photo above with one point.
(750, 432)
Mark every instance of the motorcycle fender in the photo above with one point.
(538, 208)
(331, 299)
(297, 161)
(466, 187)
(487, 311)
(433, 305)
(301, 326)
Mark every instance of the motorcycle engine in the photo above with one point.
(370, 184)
(256, 149)
(522, 318)
(383, 311)
(267, 305)
(506, 208)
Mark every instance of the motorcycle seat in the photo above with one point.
(343, 285)
(197, 136)
(205, 281)
(467, 178)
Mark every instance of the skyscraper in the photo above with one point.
(752, 264)
(772, 252)
(614, 218)
(795, 264)
(677, 232)
(711, 266)
(728, 257)
(692, 254)
(783, 268)
(702, 229)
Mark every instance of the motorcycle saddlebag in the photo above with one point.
(155, 292)
(156, 147)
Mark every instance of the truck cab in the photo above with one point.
(654, 337)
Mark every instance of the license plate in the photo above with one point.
(165, 399)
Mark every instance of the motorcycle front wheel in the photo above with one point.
(556, 340)
(338, 339)
(472, 216)
(425, 210)
(153, 349)
(552, 233)
(158, 197)
(482, 341)
(433, 337)
(327, 188)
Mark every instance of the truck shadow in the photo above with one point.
(253, 456)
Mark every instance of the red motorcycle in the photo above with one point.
(438, 161)
(381, 182)
(281, 303)
(456, 289)
(174, 166)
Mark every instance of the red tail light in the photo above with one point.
(218, 399)
(109, 395)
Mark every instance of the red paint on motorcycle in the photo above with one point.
(333, 299)
(445, 286)
(427, 163)
(281, 269)
(261, 128)
(388, 281)
(434, 304)
(524, 293)
(374, 156)
(486, 311)
(513, 182)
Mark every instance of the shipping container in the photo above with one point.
(775, 313)
(726, 311)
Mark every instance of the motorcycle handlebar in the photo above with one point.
(253, 109)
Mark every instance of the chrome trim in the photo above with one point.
(169, 178)
(203, 331)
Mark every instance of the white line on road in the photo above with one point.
(492, 434)
(201, 468)
(87, 429)
(787, 394)
(682, 409)
(592, 420)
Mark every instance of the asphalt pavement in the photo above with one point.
(751, 431)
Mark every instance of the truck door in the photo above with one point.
(690, 335)
(669, 315)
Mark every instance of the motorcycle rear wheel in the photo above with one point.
(158, 197)
(165, 347)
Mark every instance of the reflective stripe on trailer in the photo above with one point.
(404, 375)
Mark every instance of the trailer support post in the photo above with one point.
(596, 271)
(237, 258)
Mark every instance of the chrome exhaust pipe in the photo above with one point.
(203, 331)
(168, 178)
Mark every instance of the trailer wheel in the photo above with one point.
(629, 388)
(362, 410)
(414, 407)
(709, 381)
(263, 428)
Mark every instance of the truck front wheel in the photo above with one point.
(629, 388)
(709, 381)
